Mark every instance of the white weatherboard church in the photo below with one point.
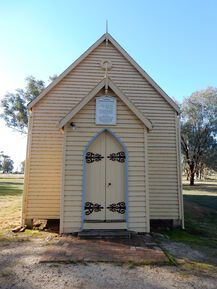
(103, 147)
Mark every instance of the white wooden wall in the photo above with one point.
(131, 132)
(43, 181)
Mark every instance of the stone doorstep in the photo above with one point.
(76, 250)
(107, 234)
(69, 258)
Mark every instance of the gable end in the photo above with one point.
(106, 37)
(93, 93)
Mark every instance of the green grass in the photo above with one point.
(207, 202)
(200, 222)
(10, 187)
(11, 190)
(200, 207)
(198, 267)
(200, 216)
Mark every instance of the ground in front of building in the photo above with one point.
(180, 259)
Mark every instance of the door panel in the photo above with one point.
(105, 180)
(114, 179)
(95, 180)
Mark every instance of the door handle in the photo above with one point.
(109, 184)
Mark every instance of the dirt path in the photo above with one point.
(20, 268)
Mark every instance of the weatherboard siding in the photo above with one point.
(76, 141)
(45, 164)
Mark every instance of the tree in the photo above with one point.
(52, 77)
(7, 164)
(199, 130)
(1, 159)
(14, 105)
(22, 167)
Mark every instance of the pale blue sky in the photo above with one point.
(174, 41)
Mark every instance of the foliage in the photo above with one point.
(14, 105)
(22, 167)
(52, 77)
(1, 159)
(199, 130)
(6, 163)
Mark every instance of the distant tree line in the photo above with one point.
(198, 124)
(6, 163)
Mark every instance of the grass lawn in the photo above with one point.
(201, 188)
(200, 207)
(200, 222)
(11, 190)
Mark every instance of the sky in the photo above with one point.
(174, 41)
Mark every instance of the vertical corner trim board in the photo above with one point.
(146, 179)
(26, 172)
(62, 201)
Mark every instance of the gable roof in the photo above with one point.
(93, 92)
(107, 37)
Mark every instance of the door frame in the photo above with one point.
(85, 172)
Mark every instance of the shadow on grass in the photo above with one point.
(11, 183)
(198, 241)
(206, 202)
(10, 190)
(206, 188)
(200, 222)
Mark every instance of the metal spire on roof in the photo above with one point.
(106, 40)
(106, 25)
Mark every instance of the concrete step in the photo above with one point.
(105, 234)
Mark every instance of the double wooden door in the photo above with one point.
(105, 180)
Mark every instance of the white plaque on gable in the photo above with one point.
(106, 110)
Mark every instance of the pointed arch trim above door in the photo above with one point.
(85, 171)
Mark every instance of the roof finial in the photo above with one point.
(106, 37)
(106, 25)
